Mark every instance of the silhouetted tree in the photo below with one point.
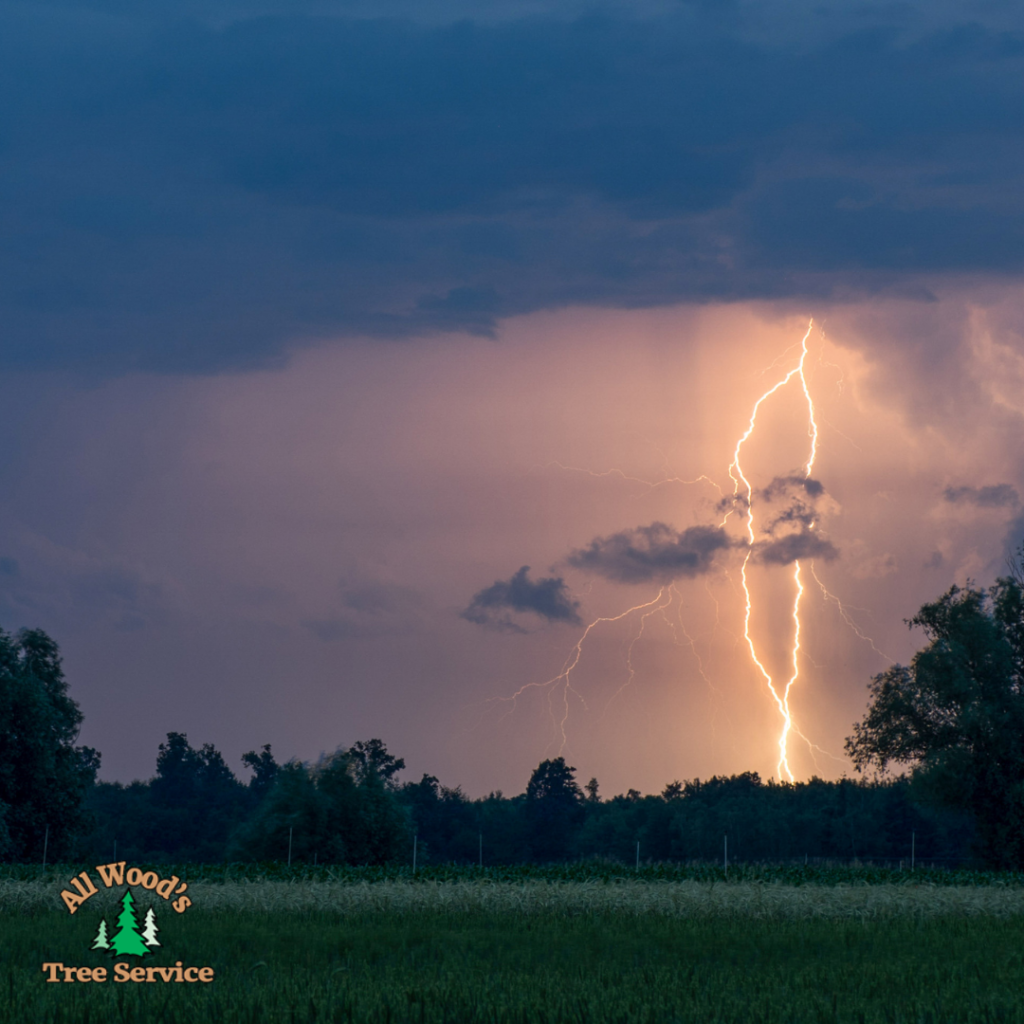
(956, 714)
(554, 809)
(43, 776)
(444, 820)
(195, 801)
(293, 802)
(339, 809)
(505, 830)
(372, 758)
(264, 771)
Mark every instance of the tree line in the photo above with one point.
(954, 718)
(349, 807)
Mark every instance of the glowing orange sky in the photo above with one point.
(300, 542)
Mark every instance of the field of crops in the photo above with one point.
(580, 871)
(628, 897)
(533, 949)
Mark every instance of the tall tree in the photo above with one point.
(955, 715)
(177, 771)
(43, 775)
(195, 802)
(554, 809)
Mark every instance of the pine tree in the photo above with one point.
(100, 942)
(149, 935)
(127, 938)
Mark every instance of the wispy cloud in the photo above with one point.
(991, 496)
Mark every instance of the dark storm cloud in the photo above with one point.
(548, 597)
(793, 547)
(798, 497)
(991, 496)
(196, 195)
(652, 553)
(794, 490)
(785, 485)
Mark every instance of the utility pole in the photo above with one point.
(46, 842)
(481, 849)
(726, 853)
(289, 846)
(415, 838)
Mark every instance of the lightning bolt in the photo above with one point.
(559, 689)
(828, 596)
(649, 484)
(631, 672)
(562, 683)
(739, 479)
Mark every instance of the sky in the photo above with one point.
(363, 363)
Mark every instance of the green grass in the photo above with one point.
(429, 965)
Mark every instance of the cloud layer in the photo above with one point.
(206, 191)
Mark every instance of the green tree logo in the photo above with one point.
(100, 942)
(149, 935)
(128, 938)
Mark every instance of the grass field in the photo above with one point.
(537, 950)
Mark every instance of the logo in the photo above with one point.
(125, 937)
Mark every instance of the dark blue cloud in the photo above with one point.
(795, 546)
(202, 188)
(548, 598)
(656, 553)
